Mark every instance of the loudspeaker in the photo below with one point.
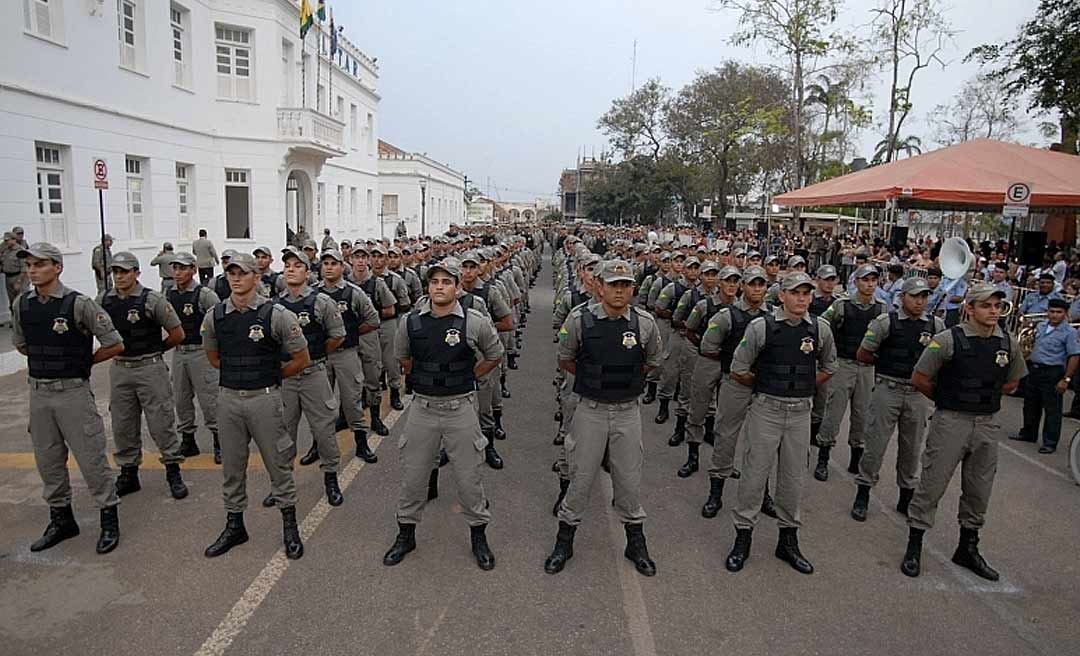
(730, 225)
(1031, 247)
(898, 237)
(762, 229)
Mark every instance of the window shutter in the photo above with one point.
(43, 17)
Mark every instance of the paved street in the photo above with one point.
(157, 594)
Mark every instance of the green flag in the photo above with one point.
(306, 19)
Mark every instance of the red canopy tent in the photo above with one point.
(969, 176)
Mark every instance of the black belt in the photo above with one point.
(1038, 365)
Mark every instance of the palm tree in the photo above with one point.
(830, 96)
(909, 145)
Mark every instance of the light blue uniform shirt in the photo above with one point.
(1035, 302)
(1054, 344)
(958, 289)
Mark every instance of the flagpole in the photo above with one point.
(303, 71)
(318, 62)
(330, 69)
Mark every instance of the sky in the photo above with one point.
(509, 91)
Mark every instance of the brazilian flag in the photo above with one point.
(306, 18)
(321, 11)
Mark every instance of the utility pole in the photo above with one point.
(633, 69)
(465, 199)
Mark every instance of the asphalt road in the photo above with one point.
(157, 594)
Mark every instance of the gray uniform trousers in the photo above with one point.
(821, 402)
(569, 401)
(735, 401)
(703, 385)
(192, 375)
(246, 415)
(669, 367)
(138, 387)
(63, 417)
(371, 362)
(450, 422)
(309, 392)
(778, 431)
(895, 405)
(487, 388)
(390, 365)
(854, 382)
(343, 368)
(598, 426)
(957, 438)
(507, 339)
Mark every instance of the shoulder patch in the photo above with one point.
(934, 345)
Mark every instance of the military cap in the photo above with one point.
(393, 250)
(186, 259)
(755, 273)
(795, 260)
(796, 279)
(915, 286)
(228, 253)
(867, 270)
(293, 251)
(265, 250)
(826, 271)
(730, 271)
(309, 243)
(125, 260)
(666, 255)
(771, 258)
(449, 265)
(9, 235)
(592, 259)
(332, 253)
(616, 270)
(167, 246)
(470, 256)
(243, 261)
(42, 251)
(377, 249)
(691, 261)
(982, 291)
(710, 265)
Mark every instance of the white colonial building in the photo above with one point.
(423, 194)
(198, 109)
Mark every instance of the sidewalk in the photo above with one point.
(11, 361)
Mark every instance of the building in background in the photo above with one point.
(199, 112)
(571, 189)
(486, 211)
(417, 190)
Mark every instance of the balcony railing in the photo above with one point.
(312, 128)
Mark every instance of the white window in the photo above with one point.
(286, 73)
(50, 192)
(340, 115)
(353, 202)
(390, 206)
(184, 175)
(136, 196)
(367, 206)
(181, 45)
(320, 93)
(129, 33)
(341, 205)
(354, 138)
(237, 205)
(369, 132)
(320, 200)
(44, 18)
(233, 48)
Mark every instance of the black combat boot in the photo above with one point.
(740, 552)
(342, 423)
(110, 530)
(485, 560)
(175, 481)
(502, 385)
(444, 459)
(433, 485)
(376, 423)
(902, 503)
(636, 550)
(294, 548)
(563, 551)
(333, 491)
(856, 456)
(560, 437)
(716, 498)
(691, 464)
(403, 544)
(61, 527)
(491, 456)
(662, 414)
(679, 434)
(821, 471)
(768, 508)
(558, 416)
(234, 534)
(500, 433)
(128, 480)
(650, 393)
(395, 399)
(363, 451)
(913, 554)
(787, 550)
(710, 436)
(407, 387)
(967, 555)
(862, 500)
(188, 447)
(564, 485)
(312, 456)
(217, 450)
(511, 360)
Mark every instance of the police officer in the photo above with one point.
(309, 391)
(608, 346)
(784, 355)
(681, 351)
(15, 280)
(854, 380)
(192, 374)
(1052, 365)
(163, 261)
(139, 380)
(244, 338)
(893, 344)
(220, 283)
(824, 296)
(395, 261)
(371, 352)
(443, 349)
(664, 306)
(964, 370)
(55, 327)
(388, 328)
(271, 283)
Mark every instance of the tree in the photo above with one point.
(1044, 60)
(909, 145)
(914, 33)
(634, 124)
(983, 108)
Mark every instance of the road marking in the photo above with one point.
(637, 615)
(243, 610)
(429, 635)
(1041, 465)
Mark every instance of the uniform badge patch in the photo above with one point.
(255, 333)
(133, 316)
(453, 337)
(342, 306)
(189, 309)
(807, 345)
(60, 325)
(304, 318)
(1002, 358)
(924, 338)
(629, 340)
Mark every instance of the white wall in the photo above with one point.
(445, 193)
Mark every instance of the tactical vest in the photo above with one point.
(740, 319)
(611, 358)
(343, 296)
(711, 308)
(577, 298)
(787, 364)
(819, 304)
(480, 293)
(900, 351)
(141, 333)
(191, 314)
(55, 347)
(680, 289)
(222, 288)
(442, 358)
(695, 296)
(971, 381)
(314, 331)
(853, 328)
(270, 280)
(250, 356)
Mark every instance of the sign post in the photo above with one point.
(1017, 203)
(101, 183)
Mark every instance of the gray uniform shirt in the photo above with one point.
(284, 326)
(693, 316)
(746, 353)
(878, 330)
(720, 326)
(9, 259)
(164, 264)
(396, 285)
(570, 333)
(412, 283)
(157, 307)
(90, 318)
(498, 305)
(940, 351)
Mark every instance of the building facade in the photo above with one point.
(419, 194)
(208, 115)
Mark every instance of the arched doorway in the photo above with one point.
(298, 208)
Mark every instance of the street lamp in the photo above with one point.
(423, 206)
